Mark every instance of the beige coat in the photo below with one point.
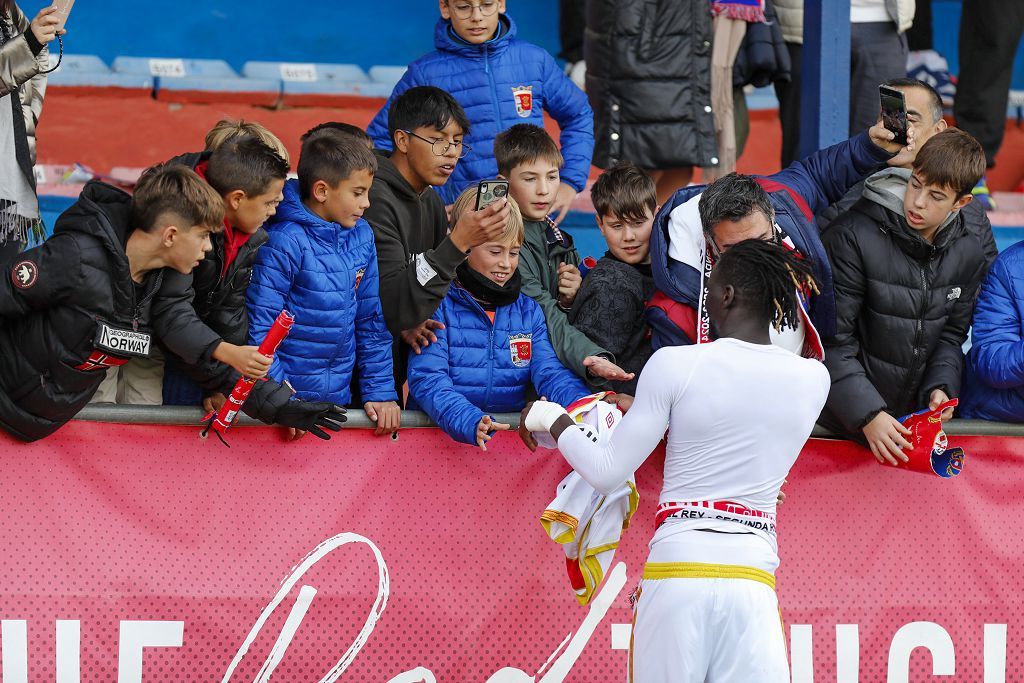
(791, 16)
(18, 67)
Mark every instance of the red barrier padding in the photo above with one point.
(135, 536)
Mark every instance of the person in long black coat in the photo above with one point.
(649, 84)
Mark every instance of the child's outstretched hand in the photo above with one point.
(599, 366)
(386, 414)
(247, 360)
(560, 205)
(484, 428)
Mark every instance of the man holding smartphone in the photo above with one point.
(923, 116)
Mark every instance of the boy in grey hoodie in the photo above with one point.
(906, 272)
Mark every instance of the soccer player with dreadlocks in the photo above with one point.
(738, 410)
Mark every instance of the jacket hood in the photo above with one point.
(104, 213)
(446, 40)
(387, 172)
(292, 210)
(191, 159)
(883, 200)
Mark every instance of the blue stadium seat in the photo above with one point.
(389, 75)
(90, 71)
(315, 83)
(331, 77)
(201, 80)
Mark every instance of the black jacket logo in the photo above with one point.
(24, 274)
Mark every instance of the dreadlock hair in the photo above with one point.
(767, 276)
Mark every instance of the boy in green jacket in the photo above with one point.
(548, 262)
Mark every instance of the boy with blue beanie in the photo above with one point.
(499, 81)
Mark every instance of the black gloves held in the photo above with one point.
(311, 417)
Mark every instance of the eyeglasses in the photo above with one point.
(441, 146)
(464, 10)
(716, 251)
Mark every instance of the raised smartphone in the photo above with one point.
(63, 10)
(490, 191)
(894, 112)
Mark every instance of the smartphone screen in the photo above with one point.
(490, 191)
(63, 10)
(894, 113)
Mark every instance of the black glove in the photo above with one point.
(310, 417)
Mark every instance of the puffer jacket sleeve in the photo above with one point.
(179, 328)
(373, 341)
(277, 263)
(430, 383)
(997, 347)
(852, 399)
(58, 275)
(571, 345)
(176, 323)
(946, 363)
(18, 65)
(825, 176)
(378, 128)
(568, 105)
(550, 378)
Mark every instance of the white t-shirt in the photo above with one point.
(737, 416)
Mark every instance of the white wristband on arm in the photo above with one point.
(538, 421)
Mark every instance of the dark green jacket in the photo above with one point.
(538, 267)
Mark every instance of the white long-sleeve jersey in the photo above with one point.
(737, 416)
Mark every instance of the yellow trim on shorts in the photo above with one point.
(700, 570)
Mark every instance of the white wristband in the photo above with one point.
(542, 415)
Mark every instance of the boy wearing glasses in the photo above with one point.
(416, 254)
(500, 81)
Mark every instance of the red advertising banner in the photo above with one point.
(137, 553)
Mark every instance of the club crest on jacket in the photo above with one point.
(521, 349)
(359, 278)
(523, 96)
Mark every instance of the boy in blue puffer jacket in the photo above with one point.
(499, 81)
(321, 265)
(493, 347)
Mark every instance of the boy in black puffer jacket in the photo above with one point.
(112, 279)
(906, 273)
(248, 172)
(610, 305)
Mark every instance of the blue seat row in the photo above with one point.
(216, 75)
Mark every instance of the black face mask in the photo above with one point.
(483, 289)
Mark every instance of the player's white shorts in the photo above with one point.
(707, 630)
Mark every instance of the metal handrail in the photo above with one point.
(412, 419)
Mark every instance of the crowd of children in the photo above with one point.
(406, 294)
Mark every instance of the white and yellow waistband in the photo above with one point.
(701, 570)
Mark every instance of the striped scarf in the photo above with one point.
(19, 207)
(741, 10)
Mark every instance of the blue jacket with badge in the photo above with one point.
(994, 373)
(326, 276)
(499, 83)
(477, 368)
